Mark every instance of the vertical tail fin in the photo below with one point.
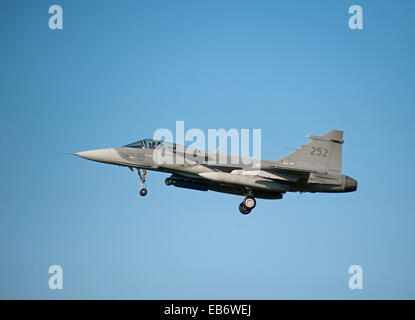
(321, 153)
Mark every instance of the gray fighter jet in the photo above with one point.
(314, 167)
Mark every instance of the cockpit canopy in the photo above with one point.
(150, 144)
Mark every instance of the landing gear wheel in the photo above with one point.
(143, 178)
(168, 181)
(249, 202)
(243, 209)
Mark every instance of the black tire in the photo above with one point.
(243, 209)
(143, 192)
(168, 181)
(249, 202)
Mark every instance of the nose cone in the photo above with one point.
(100, 155)
(351, 185)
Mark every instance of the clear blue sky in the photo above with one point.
(120, 70)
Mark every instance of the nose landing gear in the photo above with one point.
(142, 177)
(247, 205)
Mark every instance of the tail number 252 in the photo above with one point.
(320, 152)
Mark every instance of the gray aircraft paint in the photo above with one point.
(314, 167)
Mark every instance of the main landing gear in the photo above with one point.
(247, 205)
(142, 177)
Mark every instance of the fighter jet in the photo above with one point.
(314, 167)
